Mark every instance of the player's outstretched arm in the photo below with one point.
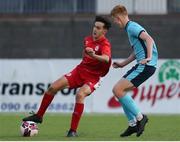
(125, 62)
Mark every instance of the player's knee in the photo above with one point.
(80, 98)
(118, 92)
(115, 89)
(51, 90)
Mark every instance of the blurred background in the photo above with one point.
(40, 40)
(52, 28)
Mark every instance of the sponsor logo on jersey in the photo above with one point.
(96, 48)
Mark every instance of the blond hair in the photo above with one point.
(119, 9)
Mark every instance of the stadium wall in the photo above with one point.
(62, 36)
(134, 6)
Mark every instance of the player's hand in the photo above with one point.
(144, 61)
(89, 51)
(118, 65)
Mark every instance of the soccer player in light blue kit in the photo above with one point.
(146, 55)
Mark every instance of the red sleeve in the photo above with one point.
(106, 49)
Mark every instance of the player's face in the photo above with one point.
(117, 20)
(98, 30)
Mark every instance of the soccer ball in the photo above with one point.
(29, 128)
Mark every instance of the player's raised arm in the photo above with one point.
(101, 58)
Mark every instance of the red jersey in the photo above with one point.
(91, 65)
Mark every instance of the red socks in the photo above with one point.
(76, 116)
(47, 99)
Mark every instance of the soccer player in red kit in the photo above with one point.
(94, 65)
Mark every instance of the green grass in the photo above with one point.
(93, 127)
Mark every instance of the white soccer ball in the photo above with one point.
(29, 128)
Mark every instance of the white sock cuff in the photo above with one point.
(132, 123)
(139, 116)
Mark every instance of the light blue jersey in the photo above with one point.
(134, 30)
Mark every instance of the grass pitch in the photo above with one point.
(93, 127)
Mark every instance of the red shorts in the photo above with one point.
(77, 78)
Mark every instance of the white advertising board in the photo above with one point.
(22, 83)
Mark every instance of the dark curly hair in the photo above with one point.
(107, 23)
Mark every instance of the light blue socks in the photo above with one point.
(131, 118)
(130, 108)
